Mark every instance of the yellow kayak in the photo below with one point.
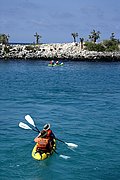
(37, 156)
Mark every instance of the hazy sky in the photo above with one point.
(55, 20)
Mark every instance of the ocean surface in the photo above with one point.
(81, 101)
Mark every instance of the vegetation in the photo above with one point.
(106, 45)
(37, 36)
(112, 37)
(94, 36)
(29, 48)
(4, 39)
(6, 49)
(109, 45)
(90, 46)
(112, 44)
(74, 35)
(81, 41)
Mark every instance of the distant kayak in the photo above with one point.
(52, 65)
(43, 155)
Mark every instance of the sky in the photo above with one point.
(55, 20)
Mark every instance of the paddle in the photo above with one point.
(25, 126)
(30, 120)
(72, 145)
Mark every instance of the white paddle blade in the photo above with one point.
(30, 120)
(72, 145)
(24, 126)
(64, 157)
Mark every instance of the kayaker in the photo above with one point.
(43, 145)
(48, 131)
(45, 140)
(52, 62)
(57, 62)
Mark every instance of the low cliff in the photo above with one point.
(55, 51)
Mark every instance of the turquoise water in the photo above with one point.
(80, 100)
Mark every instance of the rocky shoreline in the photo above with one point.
(64, 51)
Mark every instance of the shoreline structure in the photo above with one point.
(61, 51)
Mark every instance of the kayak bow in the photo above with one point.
(43, 155)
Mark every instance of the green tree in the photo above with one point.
(74, 35)
(94, 36)
(4, 39)
(94, 47)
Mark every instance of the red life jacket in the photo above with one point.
(49, 132)
(43, 143)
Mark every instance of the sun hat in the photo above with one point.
(46, 127)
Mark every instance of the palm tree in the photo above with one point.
(94, 36)
(37, 36)
(74, 35)
(8, 38)
(81, 42)
(112, 37)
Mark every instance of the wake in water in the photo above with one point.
(72, 149)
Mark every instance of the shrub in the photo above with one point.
(111, 45)
(6, 49)
(28, 48)
(90, 46)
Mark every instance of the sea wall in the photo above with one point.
(55, 51)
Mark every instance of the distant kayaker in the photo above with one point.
(57, 62)
(52, 62)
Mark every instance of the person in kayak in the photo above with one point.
(45, 140)
(57, 63)
(52, 62)
(48, 132)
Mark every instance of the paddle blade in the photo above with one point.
(72, 145)
(30, 120)
(23, 125)
(64, 157)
